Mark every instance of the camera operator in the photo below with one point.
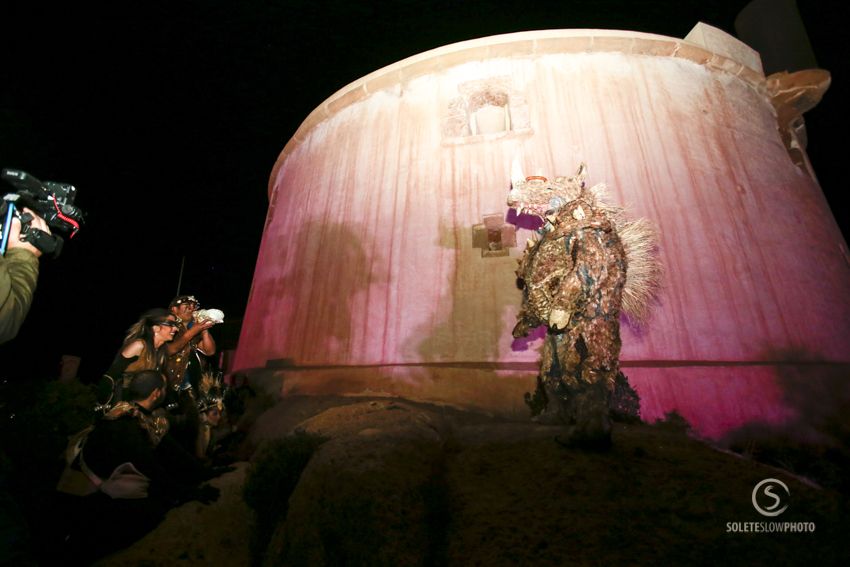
(18, 276)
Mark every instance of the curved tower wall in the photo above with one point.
(369, 280)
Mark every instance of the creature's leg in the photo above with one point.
(592, 420)
(598, 347)
(555, 369)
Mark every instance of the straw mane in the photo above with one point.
(638, 236)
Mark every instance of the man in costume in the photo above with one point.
(574, 280)
(192, 338)
(130, 472)
(185, 366)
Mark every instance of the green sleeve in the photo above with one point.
(18, 275)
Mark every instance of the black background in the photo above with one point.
(168, 117)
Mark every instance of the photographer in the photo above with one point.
(18, 276)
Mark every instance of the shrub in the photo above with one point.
(35, 422)
(673, 422)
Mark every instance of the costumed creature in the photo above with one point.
(583, 266)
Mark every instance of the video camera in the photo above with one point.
(52, 201)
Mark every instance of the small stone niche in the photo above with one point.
(485, 109)
(493, 236)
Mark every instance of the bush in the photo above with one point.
(829, 466)
(673, 422)
(36, 419)
(35, 422)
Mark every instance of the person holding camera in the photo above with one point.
(18, 276)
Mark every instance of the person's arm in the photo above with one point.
(109, 387)
(129, 354)
(207, 344)
(183, 339)
(133, 349)
(18, 276)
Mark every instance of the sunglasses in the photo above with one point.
(167, 323)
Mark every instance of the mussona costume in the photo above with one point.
(18, 277)
(585, 265)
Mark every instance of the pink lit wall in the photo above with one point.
(367, 280)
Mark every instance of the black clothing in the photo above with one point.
(184, 418)
(100, 524)
(173, 472)
(119, 366)
(110, 389)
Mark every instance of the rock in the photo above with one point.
(368, 495)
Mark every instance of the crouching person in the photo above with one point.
(130, 472)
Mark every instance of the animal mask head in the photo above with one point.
(536, 195)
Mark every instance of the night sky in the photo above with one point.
(168, 118)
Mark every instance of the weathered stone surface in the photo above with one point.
(718, 41)
(366, 498)
(401, 483)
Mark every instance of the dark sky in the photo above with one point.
(168, 117)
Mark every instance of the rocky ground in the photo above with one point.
(195, 534)
(403, 483)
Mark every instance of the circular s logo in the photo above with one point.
(769, 492)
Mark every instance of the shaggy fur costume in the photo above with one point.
(574, 281)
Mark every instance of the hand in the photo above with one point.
(15, 233)
(520, 329)
(198, 328)
(559, 319)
